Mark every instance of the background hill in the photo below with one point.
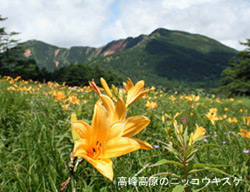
(164, 57)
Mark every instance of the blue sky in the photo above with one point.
(67, 23)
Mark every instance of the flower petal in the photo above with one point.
(144, 145)
(104, 166)
(244, 131)
(134, 125)
(134, 92)
(136, 97)
(108, 104)
(129, 83)
(81, 128)
(119, 146)
(80, 148)
(106, 87)
(100, 124)
(116, 129)
(120, 111)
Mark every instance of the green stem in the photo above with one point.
(185, 167)
(72, 181)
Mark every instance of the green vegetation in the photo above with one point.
(48, 55)
(79, 75)
(12, 61)
(174, 60)
(35, 140)
(236, 77)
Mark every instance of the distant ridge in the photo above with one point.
(161, 58)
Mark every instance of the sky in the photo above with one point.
(94, 23)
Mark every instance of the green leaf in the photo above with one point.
(203, 165)
(197, 190)
(210, 169)
(189, 149)
(200, 138)
(200, 165)
(164, 161)
(173, 150)
(192, 152)
(208, 145)
(178, 188)
(165, 173)
(190, 158)
(185, 135)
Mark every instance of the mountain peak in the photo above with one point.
(160, 57)
(122, 44)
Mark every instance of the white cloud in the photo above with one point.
(60, 22)
(95, 23)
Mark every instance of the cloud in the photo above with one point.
(60, 22)
(95, 23)
(224, 20)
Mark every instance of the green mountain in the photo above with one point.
(167, 58)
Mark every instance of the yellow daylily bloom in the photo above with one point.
(247, 120)
(134, 92)
(152, 88)
(59, 95)
(151, 105)
(244, 133)
(172, 98)
(115, 111)
(199, 132)
(128, 85)
(170, 117)
(234, 120)
(17, 78)
(73, 131)
(132, 125)
(192, 98)
(213, 110)
(212, 115)
(167, 116)
(106, 87)
(101, 141)
(163, 119)
(65, 107)
(72, 100)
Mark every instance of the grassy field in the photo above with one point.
(36, 141)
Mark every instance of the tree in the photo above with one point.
(12, 60)
(236, 77)
(9, 47)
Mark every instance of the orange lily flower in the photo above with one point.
(59, 95)
(234, 120)
(151, 105)
(101, 141)
(199, 132)
(132, 125)
(244, 133)
(134, 92)
(212, 117)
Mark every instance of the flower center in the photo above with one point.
(96, 150)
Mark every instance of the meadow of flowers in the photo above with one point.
(132, 138)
